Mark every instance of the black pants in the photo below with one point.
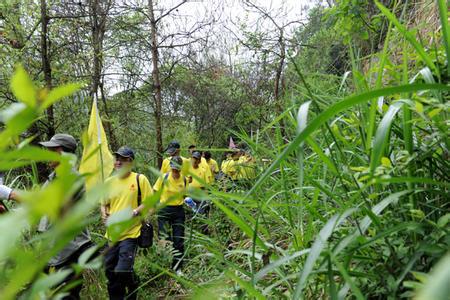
(173, 217)
(119, 262)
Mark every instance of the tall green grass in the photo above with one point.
(354, 204)
(362, 215)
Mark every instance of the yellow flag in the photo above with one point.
(97, 161)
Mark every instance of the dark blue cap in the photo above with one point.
(196, 154)
(172, 147)
(125, 152)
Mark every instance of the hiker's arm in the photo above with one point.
(8, 193)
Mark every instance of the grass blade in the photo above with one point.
(381, 136)
(443, 14)
(316, 250)
(408, 36)
(335, 109)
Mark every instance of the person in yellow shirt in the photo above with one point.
(233, 167)
(198, 174)
(225, 164)
(172, 187)
(203, 163)
(250, 165)
(123, 198)
(213, 166)
(173, 149)
(198, 178)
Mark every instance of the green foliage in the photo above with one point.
(22, 261)
(352, 200)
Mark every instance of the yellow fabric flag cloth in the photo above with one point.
(97, 161)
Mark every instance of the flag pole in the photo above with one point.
(99, 135)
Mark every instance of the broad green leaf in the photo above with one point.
(48, 282)
(443, 221)
(22, 87)
(381, 136)
(59, 93)
(437, 286)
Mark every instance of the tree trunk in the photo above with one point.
(46, 68)
(98, 25)
(279, 83)
(156, 85)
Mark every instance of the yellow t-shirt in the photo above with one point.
(213, 166)
(123, 195)
(204, 164)
(165, 167)
(247, 167)
(201, 173)
(172, 190)
(233, 168)
(225, 165)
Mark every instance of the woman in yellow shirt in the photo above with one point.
(172, 187)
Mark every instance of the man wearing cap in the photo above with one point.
(203, 163)
(197, 172)
(172, 187)
(61, 143)
(123, 199)
(173, 149)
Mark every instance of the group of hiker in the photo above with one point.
(181, 180)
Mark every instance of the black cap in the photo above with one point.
(176, 162)
(196, 154)
(172, 147)
(125, 152)
(61, 140)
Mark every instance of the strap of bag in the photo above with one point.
(139, 199)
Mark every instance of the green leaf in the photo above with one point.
(316, 250)
(22, 87)
(325, 159)
(47, 282)
(443, 221)
(357, 292)
(443, 14)
(366, 221)
(332, 111)
(247, 286)
(381, 136)
(239, 222)
(272, 266)
(437, 286)
(60, 92)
